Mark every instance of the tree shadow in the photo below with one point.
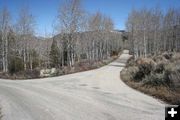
(118, 65)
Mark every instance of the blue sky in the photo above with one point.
(45, 11)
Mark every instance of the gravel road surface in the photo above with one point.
(92, 95)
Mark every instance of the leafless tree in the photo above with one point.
(81, 36)
(4, 30)
(25, 26)
(70, 19)
(151, 31)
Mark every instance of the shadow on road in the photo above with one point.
(118, 65)
(121, 61)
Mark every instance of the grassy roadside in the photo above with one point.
(158, 78)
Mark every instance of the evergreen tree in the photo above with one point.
(54, 54)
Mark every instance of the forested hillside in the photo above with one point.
(76, 36)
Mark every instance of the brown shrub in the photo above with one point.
(28, 74)
(155, 79)
(4, 75)
(167, 55)
(114, 53)
(159, 58)
(145, 66)
(145, 61)
(130, 62)
(159, 76)
(173, 73)
(160, 67)
(132, 72)
(175, 57)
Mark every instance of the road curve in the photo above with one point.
(93, 95)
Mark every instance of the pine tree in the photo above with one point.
(54, 54)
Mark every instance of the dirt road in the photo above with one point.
(93, 95)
